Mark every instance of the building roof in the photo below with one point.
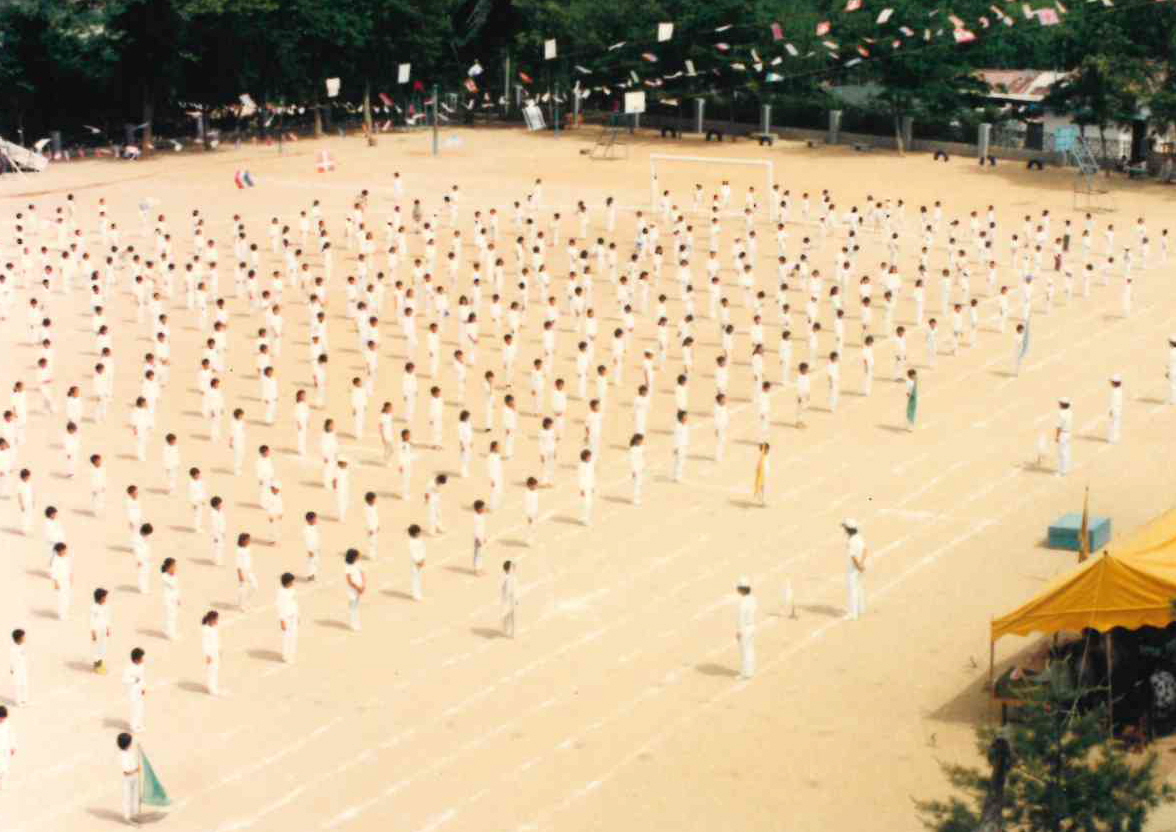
(1027, 85)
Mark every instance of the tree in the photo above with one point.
(1063, 774)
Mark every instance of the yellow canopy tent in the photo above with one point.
(1131, 585)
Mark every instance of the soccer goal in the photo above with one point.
(668, 172)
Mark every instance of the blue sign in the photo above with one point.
(1065, 138)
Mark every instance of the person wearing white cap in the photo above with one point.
(745, 634)
(1115, 428)
(855, 550)
(1062, 435)
(1172, 369)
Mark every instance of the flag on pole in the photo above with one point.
(777, 32)
(1084, 529)
(152, 792)
(913, 403)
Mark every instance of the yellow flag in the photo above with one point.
(1084, 530)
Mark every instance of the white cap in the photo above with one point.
(744, 583)
(1116, 379)
(849, 524)
(1064, 402)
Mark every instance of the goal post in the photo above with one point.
(660, 162)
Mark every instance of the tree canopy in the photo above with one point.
(66, 63)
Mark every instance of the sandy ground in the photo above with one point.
(618, 704)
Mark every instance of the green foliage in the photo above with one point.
(1066, 775)
(68, 62)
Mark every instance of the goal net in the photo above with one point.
(681, 174)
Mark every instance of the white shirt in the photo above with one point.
(1065, 422)
(855, 547)
(356, 575)
(61, 571)
(747, 609)
(210, 641)
(287, 604)
(135, 677)
(416, 551)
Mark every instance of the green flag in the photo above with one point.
(913, 403)
(152, 793)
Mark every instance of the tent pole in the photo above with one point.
(991, 664)
(1110, 643)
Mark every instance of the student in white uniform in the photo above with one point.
(210, 647)
(1115, 428)
(7, 746)
(480, 536)
(1062, 436)
(312, 543)
(855, 550)
(246, 580)
(637, 465)
(19, 668)
(99, 629)
(288, 617)
(371, 519)
(509, 594)
(142, 549)
(135, 678)
(128, 757)
(531, 507)
(416, 556)
(171, 598)
(61, 572)
(681, 445)
(587, 481)
(745, 630)
(356, 586)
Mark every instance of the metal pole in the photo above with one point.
(506, 86)
(436, 102)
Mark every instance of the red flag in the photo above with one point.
(418, 86)
(524, 77)
(823, 28)
(777, 32)
(387, 101)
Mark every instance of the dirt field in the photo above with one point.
(618, 705)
